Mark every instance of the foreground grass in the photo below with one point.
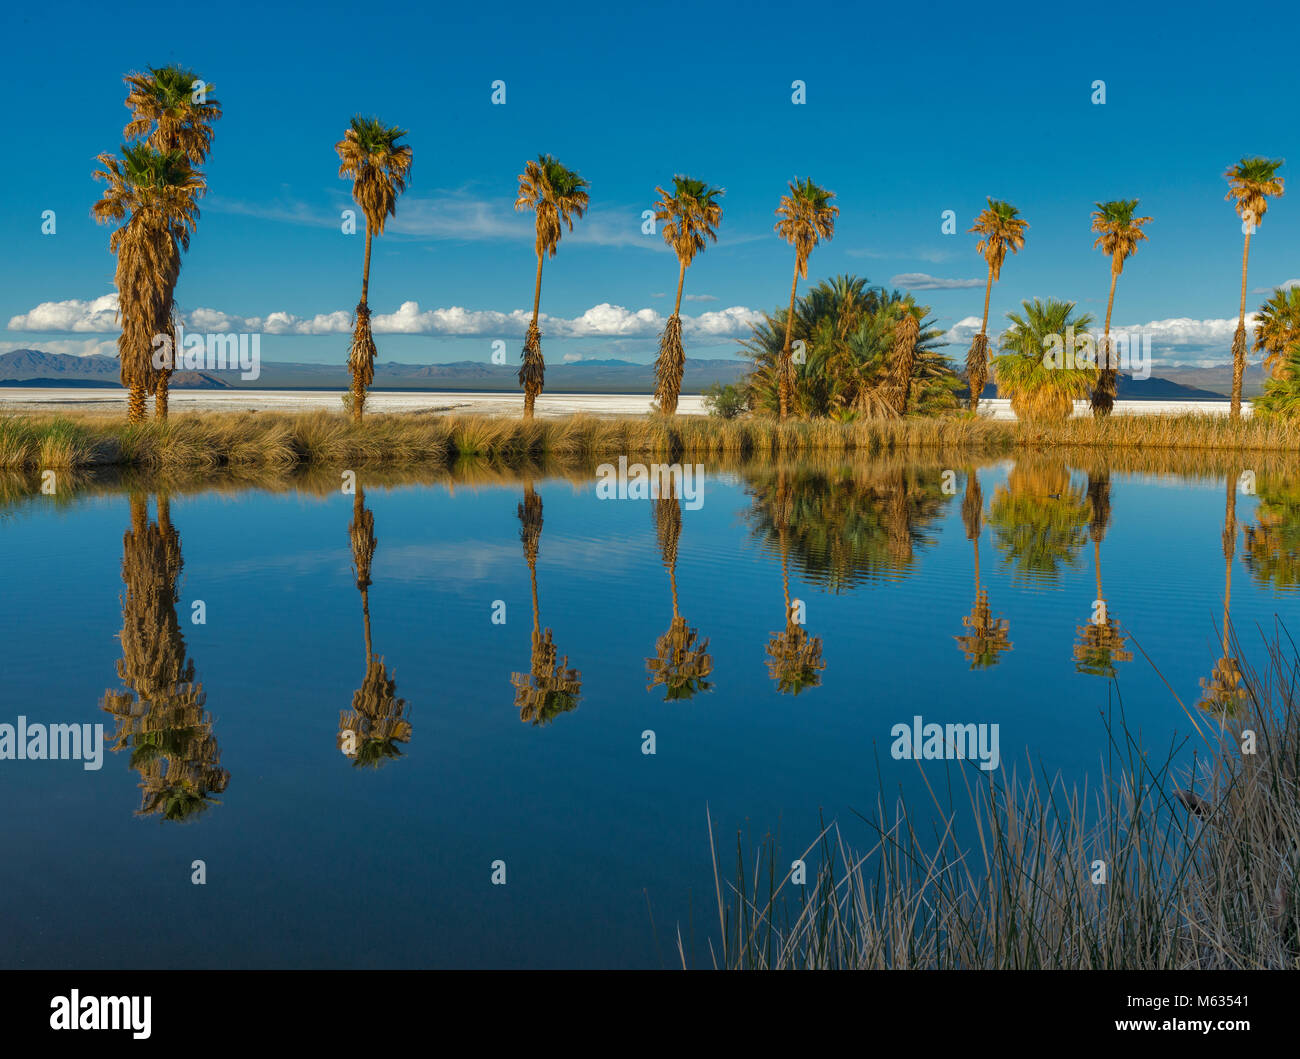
(1218, 888)
(269, 439)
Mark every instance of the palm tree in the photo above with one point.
(1000, 229)
(692, 214)
(1100, 644)
(806, 217)
(155, 192)
(160, 714)
(1041, 392)
(1039, 519)
(679, 665)
(862, 360)
(550, 688)
(379, 167)
(1271, 549)
(369, 734)
(1251, 183)
(165, 112)
(1119, 233)
(1223, 691)
(557, 196)
(1277, 329)
(987, 639)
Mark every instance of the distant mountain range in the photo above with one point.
(32, 367)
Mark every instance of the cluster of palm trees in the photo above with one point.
(154, 188)
(1251, 183)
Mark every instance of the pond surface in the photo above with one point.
(393, 689)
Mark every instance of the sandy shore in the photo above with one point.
(57, 398)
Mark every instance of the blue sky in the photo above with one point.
(911, 110)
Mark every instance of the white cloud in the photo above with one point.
(73, 316)
(1285, 285)
(924, 281)
(600, 321)
(699, 298)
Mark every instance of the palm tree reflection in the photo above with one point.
(1223, 691)
(1100, 644)
(794, 659)
(988, 637)
(679, 665)
(160, 716)
(550, 688)
(371, 731)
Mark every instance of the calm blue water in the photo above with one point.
(314, 861)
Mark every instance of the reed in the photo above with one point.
(270, 439)
(1201, 861)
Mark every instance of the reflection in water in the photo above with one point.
(794, 659)
(1223, 692)
(1038, 519)
(850, 525)
(680, 666)
(369, 734)
(1272, 546)
(161, 717)
(1100, 644)
(988, 637)
(550, 688)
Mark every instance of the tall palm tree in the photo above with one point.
(379, 167)
(369, 734)
(1277, 329)
(556, 196)
(155, 192)
(1101, 643)
(806, 217)
(1119, 233)
(691, 214)
(160, 714)
(1251, 183)
(1000, 229)
(550, 688)
(679, 665)
(1223, 692)
(1039, 392)
(902, 361)
(987, 639)
(166, 114)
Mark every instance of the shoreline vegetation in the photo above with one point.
(213, 440)
(1199, 863)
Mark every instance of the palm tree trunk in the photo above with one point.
(160, 395)
(783, 382)
(532, 370)
(1103, 394)
(135, 405)
(1239, 339)
(358, 382)
(670, 364)
(1096, 562)
(977, 360)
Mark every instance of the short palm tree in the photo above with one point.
(902, 359)
(1251, 183)
(691, 215)
(1042, 392)
(1277, 329)
(1000, 229)
(155, 193)
(556, 196)
(166, 114)
(806, 216)
(379, 167)
(1119, 233)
